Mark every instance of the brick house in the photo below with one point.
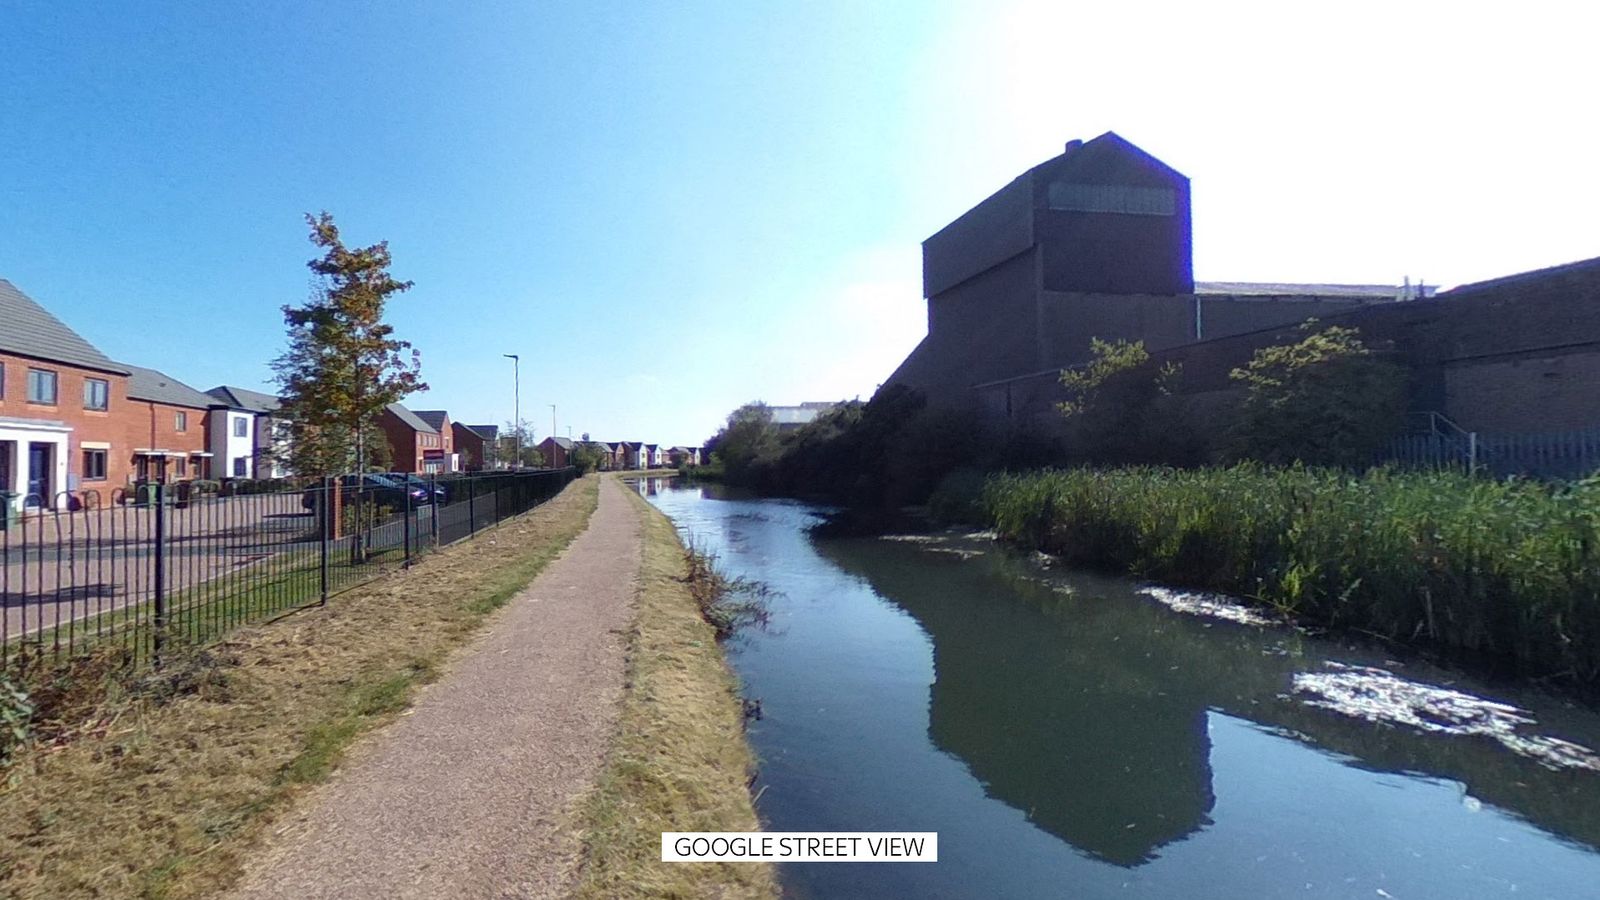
(475, 444)
(168, 424)
(557, 452)
(412, 441)
(444, 457)
(63, 405)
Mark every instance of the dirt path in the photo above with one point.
(468, 794)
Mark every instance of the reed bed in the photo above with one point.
(1506, 572)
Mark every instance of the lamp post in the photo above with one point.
(552, 421)
(516, 407)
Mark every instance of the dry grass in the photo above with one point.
(168, 799)
(679, 761)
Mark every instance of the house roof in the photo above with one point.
(239, 398)
(410, 420)
(487, 432)
(30, 330)
(159, 387)
(564, 443)
(434, 417)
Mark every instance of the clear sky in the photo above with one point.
(671, 209)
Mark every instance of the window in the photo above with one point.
(241, 465)
(2, 381)
(180, 421)
(1113, 198)
(94, 465)
(42, 387)
(96, 394)
(241, 426)
(181, 468)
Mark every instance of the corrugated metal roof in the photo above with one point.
(28, 329)
(434, 417)
(1280, 289)
(149, 384)
(411, 420)
(239, 398)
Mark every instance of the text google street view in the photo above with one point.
(1020, 450)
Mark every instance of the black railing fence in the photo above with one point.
(159, 566)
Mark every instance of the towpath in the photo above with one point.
(470, 793)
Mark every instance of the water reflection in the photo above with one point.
(1096, 727)
(1065, 734)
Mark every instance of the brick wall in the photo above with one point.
(111, 426)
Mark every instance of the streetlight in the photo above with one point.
(516, 408)
(552, 421)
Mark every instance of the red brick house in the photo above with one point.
(475, 444)
(167, 426)
(65, 419)
(557, 452)
(414, 445)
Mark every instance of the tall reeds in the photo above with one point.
(1504, 570)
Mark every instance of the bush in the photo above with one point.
(1326, 400)
(1507, 570)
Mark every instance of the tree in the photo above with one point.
(343, 365)
(1327, 399)
(532, 457)
(748, 438)
(586, 457)
(1111, 403)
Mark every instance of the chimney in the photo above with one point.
(1072, 147)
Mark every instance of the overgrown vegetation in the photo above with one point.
(1121, 408)
(889, 451)
(1505, 571)
(157, 786)
(679, 761)
(1328, 399)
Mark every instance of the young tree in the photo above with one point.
(532, 457)
(1112, 403)
(343, 364)
(1327, 399)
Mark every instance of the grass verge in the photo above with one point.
(679, 761)
(165, 796)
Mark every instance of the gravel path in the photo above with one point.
(469, 794)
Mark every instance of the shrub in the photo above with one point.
(1326, 400)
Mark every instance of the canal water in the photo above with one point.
(1074, 735)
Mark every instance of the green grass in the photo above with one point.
(1501, 571)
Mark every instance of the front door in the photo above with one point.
(40, 466)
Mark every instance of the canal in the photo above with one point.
(1076, 735)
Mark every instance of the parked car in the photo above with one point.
(439, 489)
(380, 489)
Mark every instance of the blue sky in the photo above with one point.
(668, 210)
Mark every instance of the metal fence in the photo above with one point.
(165, 565)
(1567, 454)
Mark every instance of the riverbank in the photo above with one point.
(679, 761)
(1502, 574)
(170, 793)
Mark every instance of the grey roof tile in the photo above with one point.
(434, 417)
(149, 384)
(28, 329)
(239, 398)
(410, 419)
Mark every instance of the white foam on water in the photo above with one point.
(1378, 695)
(1213, 606)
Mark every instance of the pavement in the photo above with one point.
(471, 793)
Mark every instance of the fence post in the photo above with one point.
(160, 570)
(433, 508)
(1472, 453)
(472, 510)
(327, 532)
(406, 488)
